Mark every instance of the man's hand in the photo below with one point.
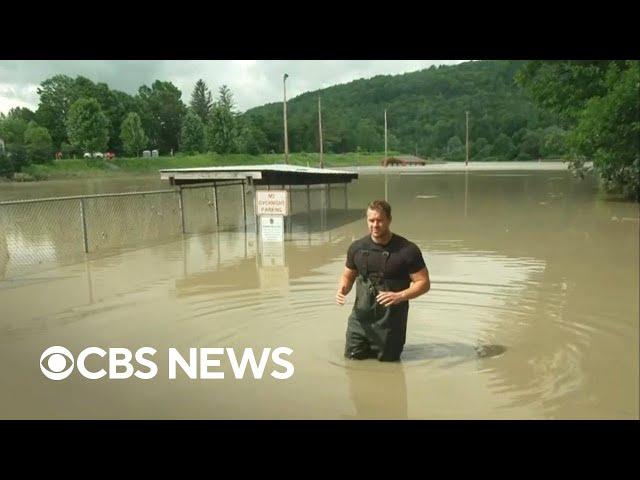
(420, 284)
(346, 282)
(340, 297)
(387, 299)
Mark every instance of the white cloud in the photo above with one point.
(17, 95)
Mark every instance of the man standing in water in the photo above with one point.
(388, 270)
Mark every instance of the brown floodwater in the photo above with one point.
(532, 314)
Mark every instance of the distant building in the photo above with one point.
(403, 160)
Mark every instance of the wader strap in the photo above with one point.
(385, 254)
(365, 254)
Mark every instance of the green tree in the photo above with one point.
(70, 151)
(252, 139)
(477, 145)
(117, 105)
(192, 137)
(563, 87)
(222, 130)
(554, 142)
(608, 131)
(503, 147)
(7, 169)
(531, 143)
(201, 101)
(161, 111)
(58, 93)
(367, 136)
(132, 134)
(455, 149)
(23, 113)
(56, 97)
(480, 149)
(12, 130)
(87, 125)
(39, 144)
(599, 103)
(114, 104)
(13, 159)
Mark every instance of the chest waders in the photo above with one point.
(375, 331)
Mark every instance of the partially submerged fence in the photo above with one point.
(43, 233)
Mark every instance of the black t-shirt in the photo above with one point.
(404, 258)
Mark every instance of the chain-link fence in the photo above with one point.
(40, 234)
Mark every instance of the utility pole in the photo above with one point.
(385, 134)
(320, 130)
(466, 162)
(286, 138)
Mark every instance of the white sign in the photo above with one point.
(272, 228)
(272, 202)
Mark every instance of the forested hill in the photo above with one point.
(425, 113)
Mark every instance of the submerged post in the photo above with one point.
(466, 161)
(320, 132)
(244, 206)
(346, 197)
(286, 137)
(215, 203)
(180, 201)
(466, 191)
(83, 219)
(252, 189)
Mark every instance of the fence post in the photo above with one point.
(215, 202)
(253, 200)
(83, 219)
(289, 187)
(181, 209)
(244, 207)
(346, 197)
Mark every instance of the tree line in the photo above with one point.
(75, 116)
(518, 110)
(426, 113)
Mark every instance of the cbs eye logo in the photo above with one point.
(53, 362)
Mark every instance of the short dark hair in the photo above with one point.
(380, 206)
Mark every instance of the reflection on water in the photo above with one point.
(370, 401)
(533, 311)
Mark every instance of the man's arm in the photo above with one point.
(420, 284)
(346, 282)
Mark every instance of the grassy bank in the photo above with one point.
(91, 168)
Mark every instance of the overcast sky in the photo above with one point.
(252, 82)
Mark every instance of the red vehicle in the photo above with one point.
(110, 155)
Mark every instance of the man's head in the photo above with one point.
(379, 219)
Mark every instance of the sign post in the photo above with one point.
(271, 207)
